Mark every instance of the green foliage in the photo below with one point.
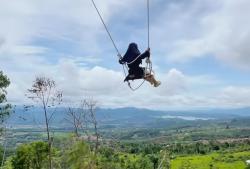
(79, 156)
(74, 153)
(8, 164)
(154, 159)
(1, 152)
(109, 158)
(231, 160)
(31, 156)
(4, 108)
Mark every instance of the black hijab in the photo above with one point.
(131, 53)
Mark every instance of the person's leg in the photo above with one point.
(151, 79)
(148, 76)
(156, 82)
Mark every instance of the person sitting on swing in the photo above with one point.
(133, 58)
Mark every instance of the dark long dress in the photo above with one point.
(135, 70)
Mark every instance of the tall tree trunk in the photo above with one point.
(97, 137)
(48, 135)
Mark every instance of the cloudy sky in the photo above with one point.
(200, 50)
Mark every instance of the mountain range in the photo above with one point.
(126, 117)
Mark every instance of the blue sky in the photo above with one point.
(200, 50)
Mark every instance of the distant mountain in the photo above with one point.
(126, 117)
(222, 113)
(118, 117)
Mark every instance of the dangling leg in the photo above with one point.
(156, 82)
(151, 79)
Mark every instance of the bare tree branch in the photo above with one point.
(43, 91)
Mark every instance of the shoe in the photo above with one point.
(158, 83)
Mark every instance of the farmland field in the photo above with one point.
(223, 160)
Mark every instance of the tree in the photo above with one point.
(8, 163)
(165, 159)
(1, 153)
(75, 118)
(155, 160)
(89, 107)
(32, 155)
(144, 163)
(84, 118)
(44, 93)
(78, 155)
(5, 109)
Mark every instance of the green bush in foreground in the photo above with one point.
(31, 156)
(73, 153)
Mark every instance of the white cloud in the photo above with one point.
(27, 21)
(215, 28)
(174, 82)
(77, 82)
(233, 95)
(73, 80)
(180, 30)
(105, 85)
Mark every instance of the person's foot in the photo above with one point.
(157, 84)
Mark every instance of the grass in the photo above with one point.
(221, 160)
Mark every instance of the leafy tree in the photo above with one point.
(1, 152)
(78, 156)
(5, 109)
(144, 163)
(155, 160)
(31, 156)
(8, 164)
(107, 153)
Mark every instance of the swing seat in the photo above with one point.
(132, 77)
(135, 74)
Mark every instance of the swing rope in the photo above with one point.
(148, 12)
(106, 28)
(149, 63)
